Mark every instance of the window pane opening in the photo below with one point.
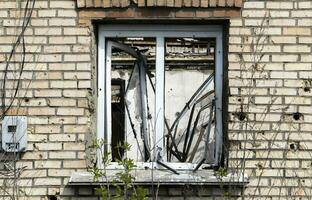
(163, 98)
(133, 63)
(190, 99)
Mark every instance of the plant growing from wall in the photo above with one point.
(121, 186)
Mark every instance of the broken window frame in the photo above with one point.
(160, 32)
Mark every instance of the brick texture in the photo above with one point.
(160, 3)
(276, 97)
(269, 74)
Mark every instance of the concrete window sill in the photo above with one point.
(163, 177)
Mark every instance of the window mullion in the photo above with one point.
(108, 113)
(101, 118)
(218, 94)
(160, 96)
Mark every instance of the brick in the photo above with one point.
(240, 31)
(47, 181)
(238, 3)
(83, 103)
(279, 5)
(67, 13)
(297, 48)
(92, 14)
(37, 138)
(34, 102)
(62, 120)
(267, 100)
(48, 75)
(297, 31)
(39, 22)
(62, 137)
(57, 49)
(74, 146)
(221, 3)
(48, 93)
(305, 4)
(62, 66)
(62, 40)
(7, 4)
(185, 14)
(84, 40)
(62, 22)
(35, 85)
(77, 75)
(298, 100)
(254, 13)
(81, 48)
(301, 13)
(48, 146)
(84, 84)
(37, 120)
(77, 58)
(283, 91)
(226, 13)
(282, 22)
(74, 93)
(63, 84)
(97, 3)
(305, 22)
(305, 40)
(284, 39)
(212, 3)
(284, 58)
(106, 3)
(46, 13)
(297, 66)
(75, 128)
(48, 31)
(272, 31)
(60, 172)
(74, 164)
(62, 4)
(41, 111)
(47, 129)
(61, 102)
(81, 3)
(62, 155)
(33, 173)
(283, 74)
(306, 58)
(70, 111)
(279, 13)
(34, 191)
(293, 83)
(35, 156)
(48, 164)
(253, 4)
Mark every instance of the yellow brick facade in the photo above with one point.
(269, 75)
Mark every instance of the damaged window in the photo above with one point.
(160, 90)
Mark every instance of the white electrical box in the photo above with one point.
(14, 133)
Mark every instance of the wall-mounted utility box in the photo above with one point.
(14, 133)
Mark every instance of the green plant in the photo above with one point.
(123, 182)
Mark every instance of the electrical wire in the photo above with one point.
(29, 7)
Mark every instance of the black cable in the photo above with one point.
(26, 19)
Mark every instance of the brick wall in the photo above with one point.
(56, 84)
(158, 3)
(270, 81)
(269, 77)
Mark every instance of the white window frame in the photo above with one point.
(159, 32)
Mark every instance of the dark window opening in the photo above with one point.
(118, 118)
